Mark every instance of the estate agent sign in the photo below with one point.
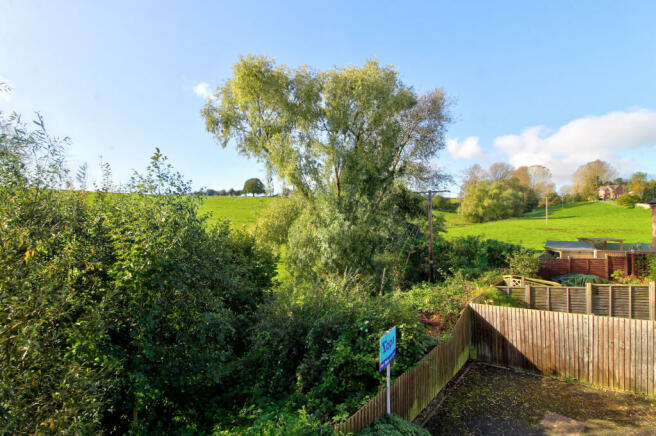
(387, 353)
(387, 348)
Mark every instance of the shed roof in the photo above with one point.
(570, 246)
(601, 239)
(586, 246)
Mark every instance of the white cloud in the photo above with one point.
(468, 148)
(203, 90)
(580, 141)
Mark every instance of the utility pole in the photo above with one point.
(431, 263)
(546, 212)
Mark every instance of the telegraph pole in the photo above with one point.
(431, 263)
(546, 213)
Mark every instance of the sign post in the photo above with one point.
(387, 353)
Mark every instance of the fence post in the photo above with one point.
(527, 295)
(588, 298)
(548, 297)
(570, 265)
(608, 267)
(652, 301)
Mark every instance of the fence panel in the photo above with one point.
(604, 266)
(627, 301)
(612, 352)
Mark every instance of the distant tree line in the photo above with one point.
(251, 186)
(502, 191)
(221, 192)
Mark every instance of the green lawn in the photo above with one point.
(567, 223)
(240, 211)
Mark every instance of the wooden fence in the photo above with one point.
(626, 301)
(605, 267)
(612, 352)
(413, 390)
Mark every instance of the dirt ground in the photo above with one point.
(489, 400)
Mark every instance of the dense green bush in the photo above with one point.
(471, 256)
(627, 200)
(649, 266)
(524, 262)
(393, 425)
(321, 352)
(445, 204)
(117, 312)
(278, 421)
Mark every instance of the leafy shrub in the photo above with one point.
(321, 351)
(627, 200)
(117, 312)
(492, 295)
(439, 305)
(619, 276)
(280, 422)
(445, 204)
(393, 425)
(471, 255)
(524, 262)
(648, 265)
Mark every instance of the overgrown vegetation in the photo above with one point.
(524, 263)
(393, 425)
(131, 313)
(121, 312)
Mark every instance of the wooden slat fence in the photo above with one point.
(604, 266)
(617, 353)
(613, 352)
(626, 301)
(413, 390)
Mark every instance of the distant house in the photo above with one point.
(593, 248)
(610, 192)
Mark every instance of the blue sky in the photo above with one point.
(555, 83)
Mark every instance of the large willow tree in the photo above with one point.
(349, 140)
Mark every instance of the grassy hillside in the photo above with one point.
(567, 223)
(241, 211)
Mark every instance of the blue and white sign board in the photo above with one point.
(387, 348)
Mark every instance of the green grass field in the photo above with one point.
(567, 223)
(240, 211)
